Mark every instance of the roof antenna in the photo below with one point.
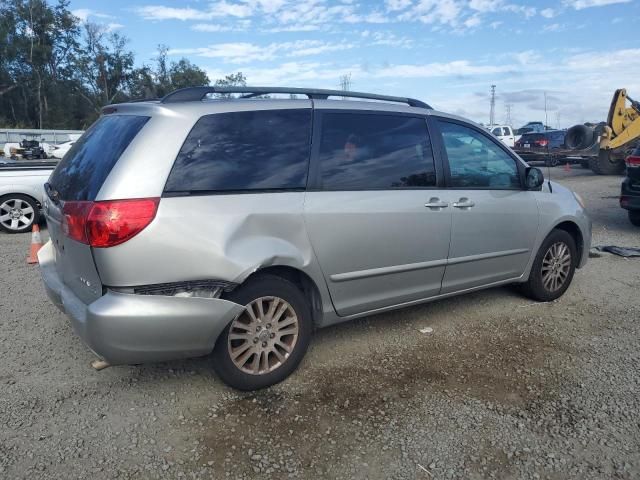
(544, 129)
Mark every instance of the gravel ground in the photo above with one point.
(502, 388)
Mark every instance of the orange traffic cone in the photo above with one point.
(567, 167)
(36, 244)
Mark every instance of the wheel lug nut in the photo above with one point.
(258, 328)
(268, 325)
(255, 340)
(264, 344)
(273, 335)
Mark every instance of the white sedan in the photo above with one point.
(58, 151)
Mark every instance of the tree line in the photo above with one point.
(57, 72)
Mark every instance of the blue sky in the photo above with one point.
(445, 52)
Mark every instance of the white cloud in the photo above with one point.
(548, 13)
(113, 26)
(393, 5)
(215, 10)
(554, 27)
(485, 5)
(159, 12)
(84, 13)
(449, 69)
(582, 4)
(244, 52)
(473, 21)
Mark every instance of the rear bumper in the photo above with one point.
(129, 329)
(629, 196)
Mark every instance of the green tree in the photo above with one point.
(103, 67)
(150, 82)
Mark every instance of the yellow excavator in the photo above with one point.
(606, 145)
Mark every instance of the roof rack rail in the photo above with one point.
(196, 94)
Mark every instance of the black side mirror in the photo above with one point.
(534, 178)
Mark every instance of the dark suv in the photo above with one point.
(630, 194)
(541, 147)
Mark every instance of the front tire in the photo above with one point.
(553, 267)
(18, 213)
(634, 217)
(265, 343)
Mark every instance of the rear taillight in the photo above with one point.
(633, 161)
(108, 223)
(543, 142)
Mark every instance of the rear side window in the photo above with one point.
(81, 173)
(366, 151)
(244, 151)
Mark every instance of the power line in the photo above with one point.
(508, 119)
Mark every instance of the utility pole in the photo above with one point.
(493, 105)
(345, 82)
(546, 118)
(508, 119)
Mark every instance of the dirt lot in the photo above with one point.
(502, 388)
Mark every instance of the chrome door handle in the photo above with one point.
(436, 204)
(463, 203)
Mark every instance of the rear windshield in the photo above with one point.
(85, 167)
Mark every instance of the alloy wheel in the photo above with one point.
(556, 266)
(16, 214)
(263, 336)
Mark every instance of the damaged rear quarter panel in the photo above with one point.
(224, 237)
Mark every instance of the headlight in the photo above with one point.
(579, 199)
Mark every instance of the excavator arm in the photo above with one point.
(623, 122)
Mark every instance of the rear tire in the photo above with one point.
(10, 206)
(253, 352)
(553, 268)
(602, 164)
(634, 217)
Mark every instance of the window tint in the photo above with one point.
(506, 132)
(497, 131)
(257, 150)
(365, 151)
(85, 167)
(476, 161)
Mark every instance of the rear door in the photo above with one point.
(494, 220)
(374, 209)
(75, 183)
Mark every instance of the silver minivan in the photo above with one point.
(197, 224)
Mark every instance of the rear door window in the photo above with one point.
(81, 173)
(244, 151)
(374, 151)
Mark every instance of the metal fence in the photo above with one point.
(11, 135)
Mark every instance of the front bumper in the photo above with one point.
(124, 328)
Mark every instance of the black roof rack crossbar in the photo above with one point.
(196, 94)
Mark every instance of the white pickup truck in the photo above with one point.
(21, 193)
(504, 133)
